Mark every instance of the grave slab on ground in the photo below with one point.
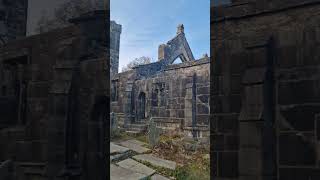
(120, 173)
(136, 167)
(134, 145)
(116, 149)
(118, 152)
(158, 177)
(156, 161)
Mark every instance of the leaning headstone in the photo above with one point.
(153, 133)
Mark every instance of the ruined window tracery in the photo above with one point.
(159, 95)
(142, 106)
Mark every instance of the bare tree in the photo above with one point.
(136, 62)
(65, 11)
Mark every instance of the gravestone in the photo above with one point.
(113, 124)
(153, 133)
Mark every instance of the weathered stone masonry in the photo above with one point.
(176, 96)
(13, 19)
(265, 90)
(54, 103)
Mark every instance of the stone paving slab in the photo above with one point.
(137, 142)
(116, 149)
(134, 146)
(136, 167)
(156, 161)
(158, 177)
(120, 173)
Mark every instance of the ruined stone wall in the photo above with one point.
(168, 97)
(13, 19)
(264, 90)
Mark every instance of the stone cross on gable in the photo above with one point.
(180, 29)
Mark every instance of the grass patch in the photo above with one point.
(119, 135)
(142, 138)
(160, 170)
(198, 168)
(194, 171)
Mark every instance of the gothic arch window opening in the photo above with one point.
(114, 90)
(142, 106)
(178, 60)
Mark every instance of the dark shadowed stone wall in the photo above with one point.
(13, 19)
(55, 86)
(265, 101)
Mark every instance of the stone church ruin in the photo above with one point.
(175, 96)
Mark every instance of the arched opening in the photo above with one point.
(177, 61)
(142, 106)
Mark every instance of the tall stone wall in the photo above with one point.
(56, 86)
(264, 90)
(13, 19)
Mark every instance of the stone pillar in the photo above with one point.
(257, 154)
(194, 105)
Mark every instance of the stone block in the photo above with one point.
(297, 149)
(300, 118)
(203, 90)
(217, 142)
(231, 142)
(299, 92)
(228, 164)
(236, 84)
(227, 123)
(202, 119)
(296, 173)
(251, 134)
(257, 58)
(38, 90)
(250, 162)
(234, 102)
(239, 62)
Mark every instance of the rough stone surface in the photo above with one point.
(158, 177)
(156, 161)
(264, 101)
(134, 146)
(54, 95)
(136, 167)
(116, 149)
(120, 173)
(13, 21)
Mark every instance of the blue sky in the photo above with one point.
(148, 23)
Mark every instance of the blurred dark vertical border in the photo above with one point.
(54, 96)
